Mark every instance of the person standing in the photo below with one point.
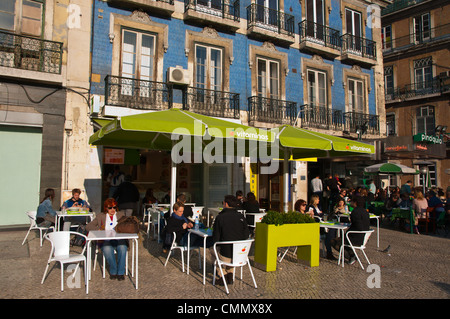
(317, 188)
(127, 195)
(229, 225)
(115, 179)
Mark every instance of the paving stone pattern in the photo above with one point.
(416, 267)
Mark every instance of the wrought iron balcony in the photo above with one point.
(212, 103)
(313, 116)
(137, 94)
(270, 20)
(27, 53)
(423, 89)
(358, 47)
(407, 42)
(261, 109)
(220, 8)
(316, 33)
(353, 121)
(399, 5)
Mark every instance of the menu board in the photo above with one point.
(114, 156)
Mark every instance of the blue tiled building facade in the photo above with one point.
(310, 63)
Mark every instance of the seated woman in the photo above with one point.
(46, 215)
(179, 224)
(107, 221)
(314, 206)
(339, 208)
(300, 206)
(331, 233)
(251, 205)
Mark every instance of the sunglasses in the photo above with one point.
(112, 207)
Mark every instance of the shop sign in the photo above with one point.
(114, 156)
(431, 139)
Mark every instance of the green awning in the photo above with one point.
(158, 130)
(305, 143)
(390, 168)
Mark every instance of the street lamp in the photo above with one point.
(424, 170)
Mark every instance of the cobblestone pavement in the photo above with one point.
(416, 267)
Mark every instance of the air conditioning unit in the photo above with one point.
(178, 75)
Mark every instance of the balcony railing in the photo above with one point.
(137, 94)
(270, 19)
(437, 85)
(352, 121)
(27, 53)
(320, 34)
(359, 46)
(216, 8)
(212, 103)
(268, 110)
(441, 32)
(321, 117)
(399, 5)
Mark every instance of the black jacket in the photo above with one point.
(360, 221)
(229, 225)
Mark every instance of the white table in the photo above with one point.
(340, 227)
(63, 214)
(371, 216)
(202, 233)
(96, 235)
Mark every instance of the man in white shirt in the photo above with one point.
(317, 188)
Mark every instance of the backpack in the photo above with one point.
(79, 240)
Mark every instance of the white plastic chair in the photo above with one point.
(60, 252)
(367, 234)
(239, 258)
(155, 219)
(197, 211)
(33, 226)
(182, 249)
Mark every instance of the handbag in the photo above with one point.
(129, 225)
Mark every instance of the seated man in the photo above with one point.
(76, 201)
(229, 225)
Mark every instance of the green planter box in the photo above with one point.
(268, 238)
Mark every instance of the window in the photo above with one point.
(422, 27)
(22, 16)
(317, 88)
(268, 78)
(353, 27)
(138, 53)
(429, 180)
(423, 73)
(315, 18)
(390, 124)
(208, 67)
(267, 12)
(425, 120)
(386, 37)
(389, 82)
(355, 96)
(212, 4)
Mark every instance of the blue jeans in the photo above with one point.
(121, 246)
